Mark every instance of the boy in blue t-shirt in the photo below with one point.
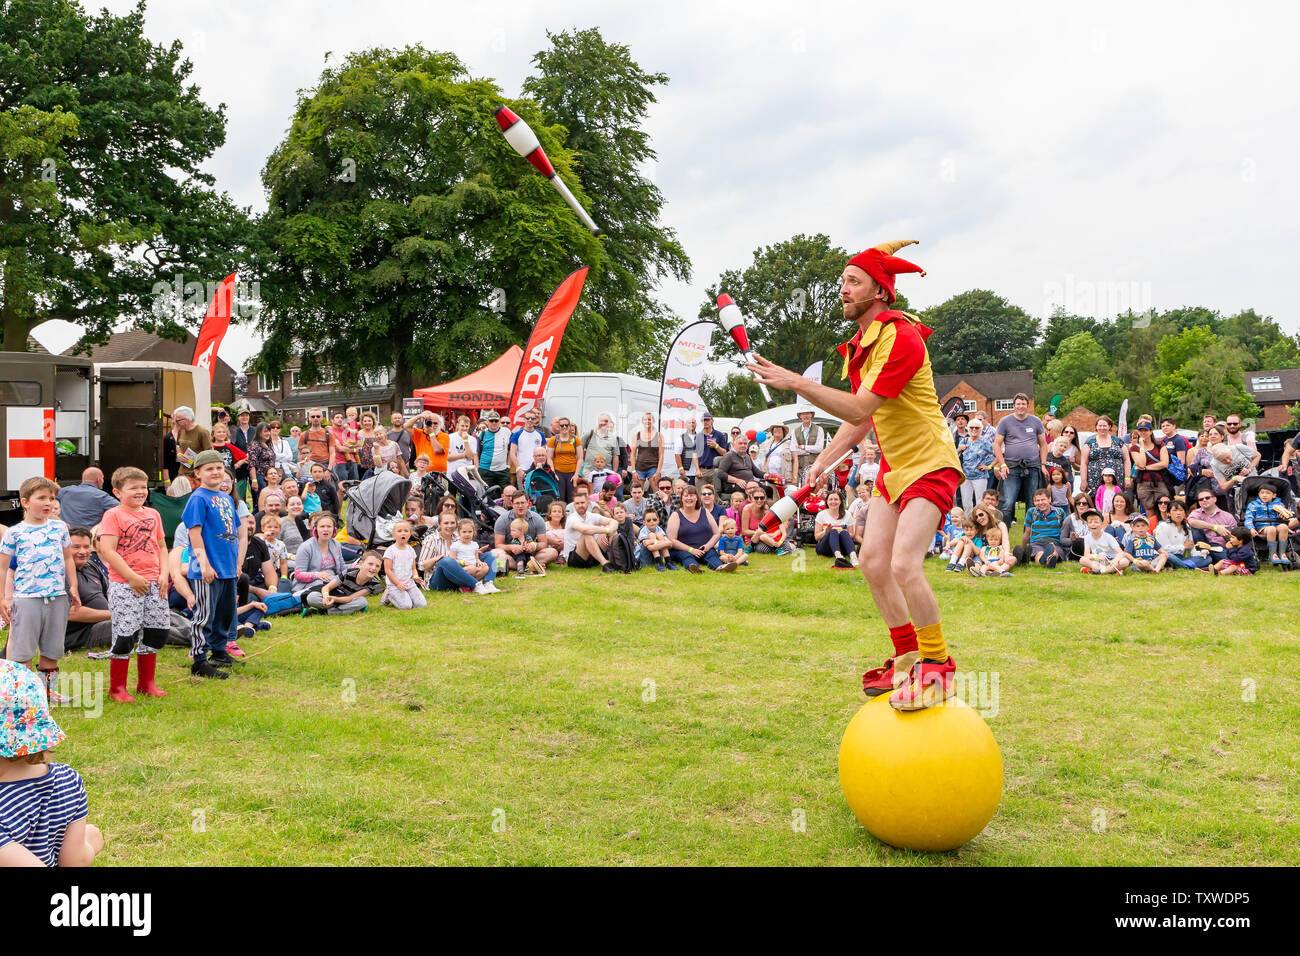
(1141, 544)
(218, 541)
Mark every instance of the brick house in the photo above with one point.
(289, 398)
(138, 346)
(989, 392)
(1082, 419)
(1274, 391)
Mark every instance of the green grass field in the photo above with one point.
(679, 719)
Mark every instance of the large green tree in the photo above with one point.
(101, 195)
(980, 331)
(1077, 359)
(1212, 380)
(790, 296)
(600, 95)
(406, 232)
(1101, 395)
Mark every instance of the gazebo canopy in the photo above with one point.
(489, 387)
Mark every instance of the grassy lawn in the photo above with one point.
(675, 718)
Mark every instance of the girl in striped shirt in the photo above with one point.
(42, 805)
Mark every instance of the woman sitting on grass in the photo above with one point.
(319, 559)
(1121, 510)
(831, 532)
(1175, 536)
(757, 540)
(986, 519)
(693, 533)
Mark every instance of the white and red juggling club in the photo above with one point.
(733, 323)
(784, 510)
(523, 141)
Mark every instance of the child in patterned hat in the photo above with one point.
(42, 805)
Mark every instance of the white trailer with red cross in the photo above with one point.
(60, 414)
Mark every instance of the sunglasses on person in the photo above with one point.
(1205, 498)
(1163, 501)
(759, 497)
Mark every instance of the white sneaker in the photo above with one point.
(481, 588)
(492, 588)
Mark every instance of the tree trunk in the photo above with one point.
(15, 329)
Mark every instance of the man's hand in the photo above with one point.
(774, 375)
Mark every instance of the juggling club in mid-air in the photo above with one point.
(784, 510)
(733, 323)
(524, 142)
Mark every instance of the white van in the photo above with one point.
(583, 396)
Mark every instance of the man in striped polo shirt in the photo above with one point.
(1043, 527)
(494, 452)
(888, 366)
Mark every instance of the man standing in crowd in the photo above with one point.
(399, 434)
(809, 441)
(85, 504)
(604, 441)
(737, 469)
(425, 433)
(523, 441)
(715, 446)
(689, 448)
(91, 624)
(494, 451)
(318, 438)
(961, 424)
(1235, 436)
(191, 438)
(241, 436)
(1020, 452)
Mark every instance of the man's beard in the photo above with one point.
(855, 310)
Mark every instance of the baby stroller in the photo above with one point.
(476, 502)
(433, 488)
(541, 488)
(1247, 492)
(374, 505)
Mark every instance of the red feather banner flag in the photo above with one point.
(539, 356)
(214, 327)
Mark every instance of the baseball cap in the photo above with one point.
(1139, 518)
(706, 417)
(1090, 512)
(1108, 471)
(208, 457)
(1144, 426)
(491, 416)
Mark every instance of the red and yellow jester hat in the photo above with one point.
(881, 264)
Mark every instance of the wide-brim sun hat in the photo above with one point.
(26, 726)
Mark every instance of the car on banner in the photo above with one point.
(682, 383)
(60, 414)
(678, 403)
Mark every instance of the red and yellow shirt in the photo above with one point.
(890, 359)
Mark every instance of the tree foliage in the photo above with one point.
(980, 331)
(735, 396)
(600, 95)
(1101, 395)
(1211, 380)
(406, 231)
(1079, 358)
(101, 193)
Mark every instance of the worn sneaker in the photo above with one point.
(481, 588)
(535, 567)
(224, 660)
(207, 669)
(263, 625)
(928, 683)
(608, 568)
(879, 680)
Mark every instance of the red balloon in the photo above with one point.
(750, 434)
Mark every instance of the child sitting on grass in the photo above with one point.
(652, 547)
(347, 594)
(1101, 552)
(964, 545)
(270, 535)
(466, 551)
(942, 545)
(43, 805)
(991, 561)
(1271, 520)
(403, 591)
(1146, 553)
(1239, 555)
(519, 535)
(731, 546)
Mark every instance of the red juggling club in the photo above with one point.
(523, 140)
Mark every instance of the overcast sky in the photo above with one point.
(1095, 155)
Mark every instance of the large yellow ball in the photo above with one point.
(924, 780)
